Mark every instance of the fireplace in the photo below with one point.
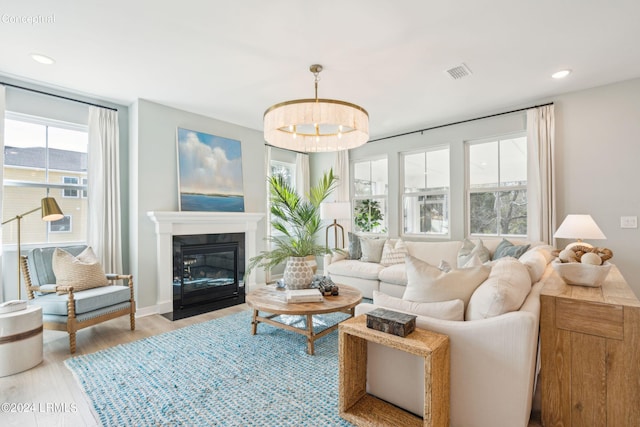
(208, 273)
(194, 225)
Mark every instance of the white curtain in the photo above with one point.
(2, 109)
(267, 171)
(541, 174)
(341, 170)
(104, 229)
(302, 174)
(342, 192)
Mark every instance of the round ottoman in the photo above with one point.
(20, 340)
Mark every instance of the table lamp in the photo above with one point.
(335, 211)
(50, 212)
(579, 227)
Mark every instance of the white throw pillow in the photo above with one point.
(469, 249)
(445, 310)
(505, 290)
(371, 249)
(427, 283)
(393, 253)
(535, 262)
(82, 272)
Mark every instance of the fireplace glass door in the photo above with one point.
(207, 273)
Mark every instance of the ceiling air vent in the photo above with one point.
(459, 72)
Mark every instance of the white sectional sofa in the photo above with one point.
(493, 360)
(392, 280)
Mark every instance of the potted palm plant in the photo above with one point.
(298, 221)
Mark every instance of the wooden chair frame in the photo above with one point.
(73, 325)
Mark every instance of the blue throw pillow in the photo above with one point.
(506, 248)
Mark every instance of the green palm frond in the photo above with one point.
(298, 220)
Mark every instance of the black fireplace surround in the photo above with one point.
(208, 273)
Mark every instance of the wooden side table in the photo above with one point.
(363, 409)
(590, 346)
(20, 340)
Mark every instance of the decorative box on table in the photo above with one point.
(391, 322)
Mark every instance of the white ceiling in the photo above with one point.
(232, 59)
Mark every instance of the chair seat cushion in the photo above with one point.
(86, 301)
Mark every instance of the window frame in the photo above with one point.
(384, 197)
(404, 194)
(494, 189)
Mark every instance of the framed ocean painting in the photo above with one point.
(209, 172)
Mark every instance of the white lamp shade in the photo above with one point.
(579, 227)
(335, 210)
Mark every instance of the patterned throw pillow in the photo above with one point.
(506, 248)
(393, 254)
(82, 272)
(355, 252)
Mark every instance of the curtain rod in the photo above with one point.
(460, 122)
(57, 96)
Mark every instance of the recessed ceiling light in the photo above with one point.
(43, 59)
(561, 74)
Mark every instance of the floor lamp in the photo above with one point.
(50, 212)
(335, 211)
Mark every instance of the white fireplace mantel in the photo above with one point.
(169, 224)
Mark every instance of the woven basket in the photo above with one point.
(575, 273)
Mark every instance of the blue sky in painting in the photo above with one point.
(209, 164)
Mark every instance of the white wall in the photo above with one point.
(598, 152)
(154, 180)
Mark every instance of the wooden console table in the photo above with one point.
(590, 341)
(364, 409)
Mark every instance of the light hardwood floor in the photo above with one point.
(51, 393)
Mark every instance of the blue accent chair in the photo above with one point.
(74, 310)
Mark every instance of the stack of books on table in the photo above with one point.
(303, 295)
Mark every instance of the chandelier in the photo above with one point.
(316, 125)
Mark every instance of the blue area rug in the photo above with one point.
(216, 374)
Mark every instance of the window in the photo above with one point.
(61, 226)
(497, 187)
(425, 199)
(44, 157)
(286, 170)
(67, 192)
(370, 196)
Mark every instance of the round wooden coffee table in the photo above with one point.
(272, 300)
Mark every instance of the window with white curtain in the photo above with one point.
(425, 197)
(497, 186)
(44, 157)
(369, 202)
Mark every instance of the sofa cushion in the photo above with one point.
(354, 268)
(427, 283)
(82, 271)
(393, 252)
(469, 250)
(505, 290)
(395, 274)
(355, 252)
(445, 310)
(371, 249)
(86, 301)
(507, 249)
(535, 262)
